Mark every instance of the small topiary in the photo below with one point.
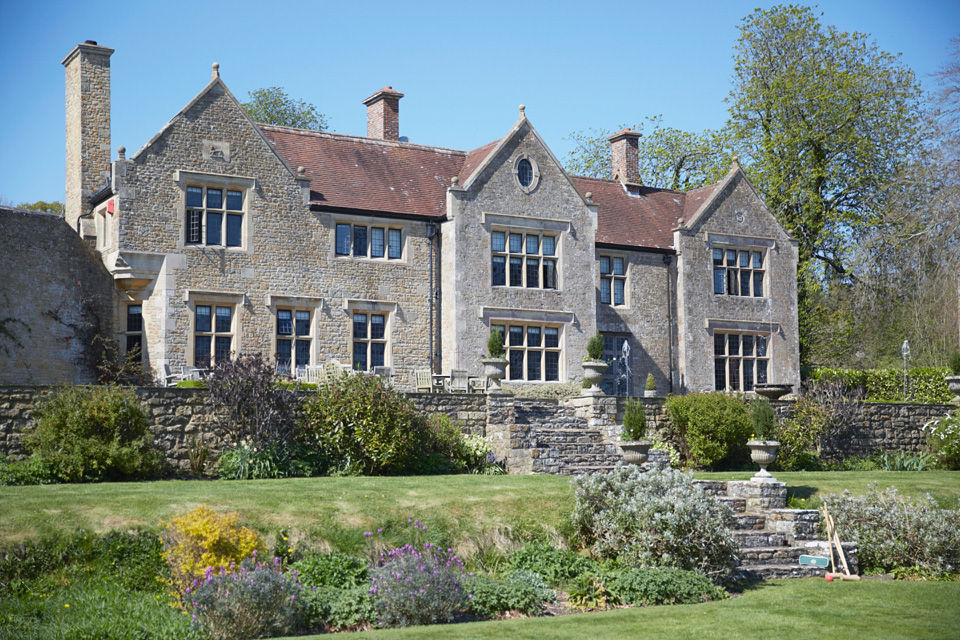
(634, 421)
(762, 419)
(202, 539)
(595, 348)
(651, 383)
(954, 363)
(495, 344)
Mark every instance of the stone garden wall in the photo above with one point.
(533, 436)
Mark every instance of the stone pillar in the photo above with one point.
(88, 126)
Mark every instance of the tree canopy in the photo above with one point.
(669, 158)
(272, 105)
(40, 205)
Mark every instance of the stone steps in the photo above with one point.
(753, 573)
(752, 538)
(749, 521)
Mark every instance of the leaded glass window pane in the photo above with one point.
(499, 241)
(203, 316)
(214, 227)
(224, 319)
(533, 336)
(516, 272)
(719, 278)
(549, 274)
(748, 345)
(359, 242)
(234, 230)
(533, 272)
(719, 344)
(395, 247)
(378, 325)
(215, 198)
(201, 351)
(735, 374)
(360, 356)
(194, 196)
(718, 257)
(194, 226)
(303, 323)
(720, 374)
(533, 243)
(284, 322)
(731, 258)
(618, 267)
(761, 372)
(605, 265)
(551, 369)
(376, 242)
(744, 283)
(499, 271)
(533, 365)
(761, 346)
(549, 245)
(283, 354)
(234, 200)
(223, 348)
(377, 354)
(343, 239)
(303, 353)
(516, 363)
(516, 242)
(744, 259)
(360, 326)
(758, 260)
(551, 337)
(618, 297)
(516, 336)
(758, 284)
(135, 318)
(605, 290)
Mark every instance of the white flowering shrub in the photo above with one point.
(943, 438)
(895, 532)
(658, 518)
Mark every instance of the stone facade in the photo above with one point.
(225, 236)
(55, 297)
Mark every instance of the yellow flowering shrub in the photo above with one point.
(203, 538)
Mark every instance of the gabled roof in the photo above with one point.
(645, 219)
(365, 174)
(391, 177)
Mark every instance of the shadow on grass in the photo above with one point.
(801, 491)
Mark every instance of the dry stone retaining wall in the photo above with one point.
(532, 436)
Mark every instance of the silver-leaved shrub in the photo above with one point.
(895, 532)
(657, 518)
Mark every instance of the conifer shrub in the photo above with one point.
(202, 539)
(762, 419)
(657, 518)
(595, 348)
(495, 344)
(651, 384)
(92, 434)
(634, 421)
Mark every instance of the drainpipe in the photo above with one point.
(666, 262)
(431, 234)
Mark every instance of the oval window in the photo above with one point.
(525, 172)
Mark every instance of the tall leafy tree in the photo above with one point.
(669, 158)
(272, 105)
(824, 120)
(40, 205)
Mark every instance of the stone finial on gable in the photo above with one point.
(523, 114)
(735, 164)
(216, 71)
(121, 152)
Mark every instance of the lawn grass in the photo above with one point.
(795, 609)
(465, 507)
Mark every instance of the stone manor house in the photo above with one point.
(223, 236)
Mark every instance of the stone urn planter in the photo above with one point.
(764, 453)
(593, 373)
(773, 391)
(635, 451)
(495, 369)
(649, 393)
(953, 383)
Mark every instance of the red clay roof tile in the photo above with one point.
(360, 173)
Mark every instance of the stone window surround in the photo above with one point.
(741, 327)
(295, 303)
(406, 251)
(766, 245)
(192, 298)
(382, 307)
(535, 182)
(103, 224)
(625, 278)
(183, 178)
(527, 224)
(506, 315)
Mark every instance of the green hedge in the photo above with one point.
(925, 384)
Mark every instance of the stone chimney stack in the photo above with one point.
(88, 125)
(383, 114)
(623, 145)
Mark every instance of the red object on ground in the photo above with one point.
(829, 578)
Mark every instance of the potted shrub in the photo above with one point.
(495, 364)
(650, 388)
(953, 378)
(763, 449)
(593, 365)
(635, 448)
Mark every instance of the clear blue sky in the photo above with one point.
(464, 67)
